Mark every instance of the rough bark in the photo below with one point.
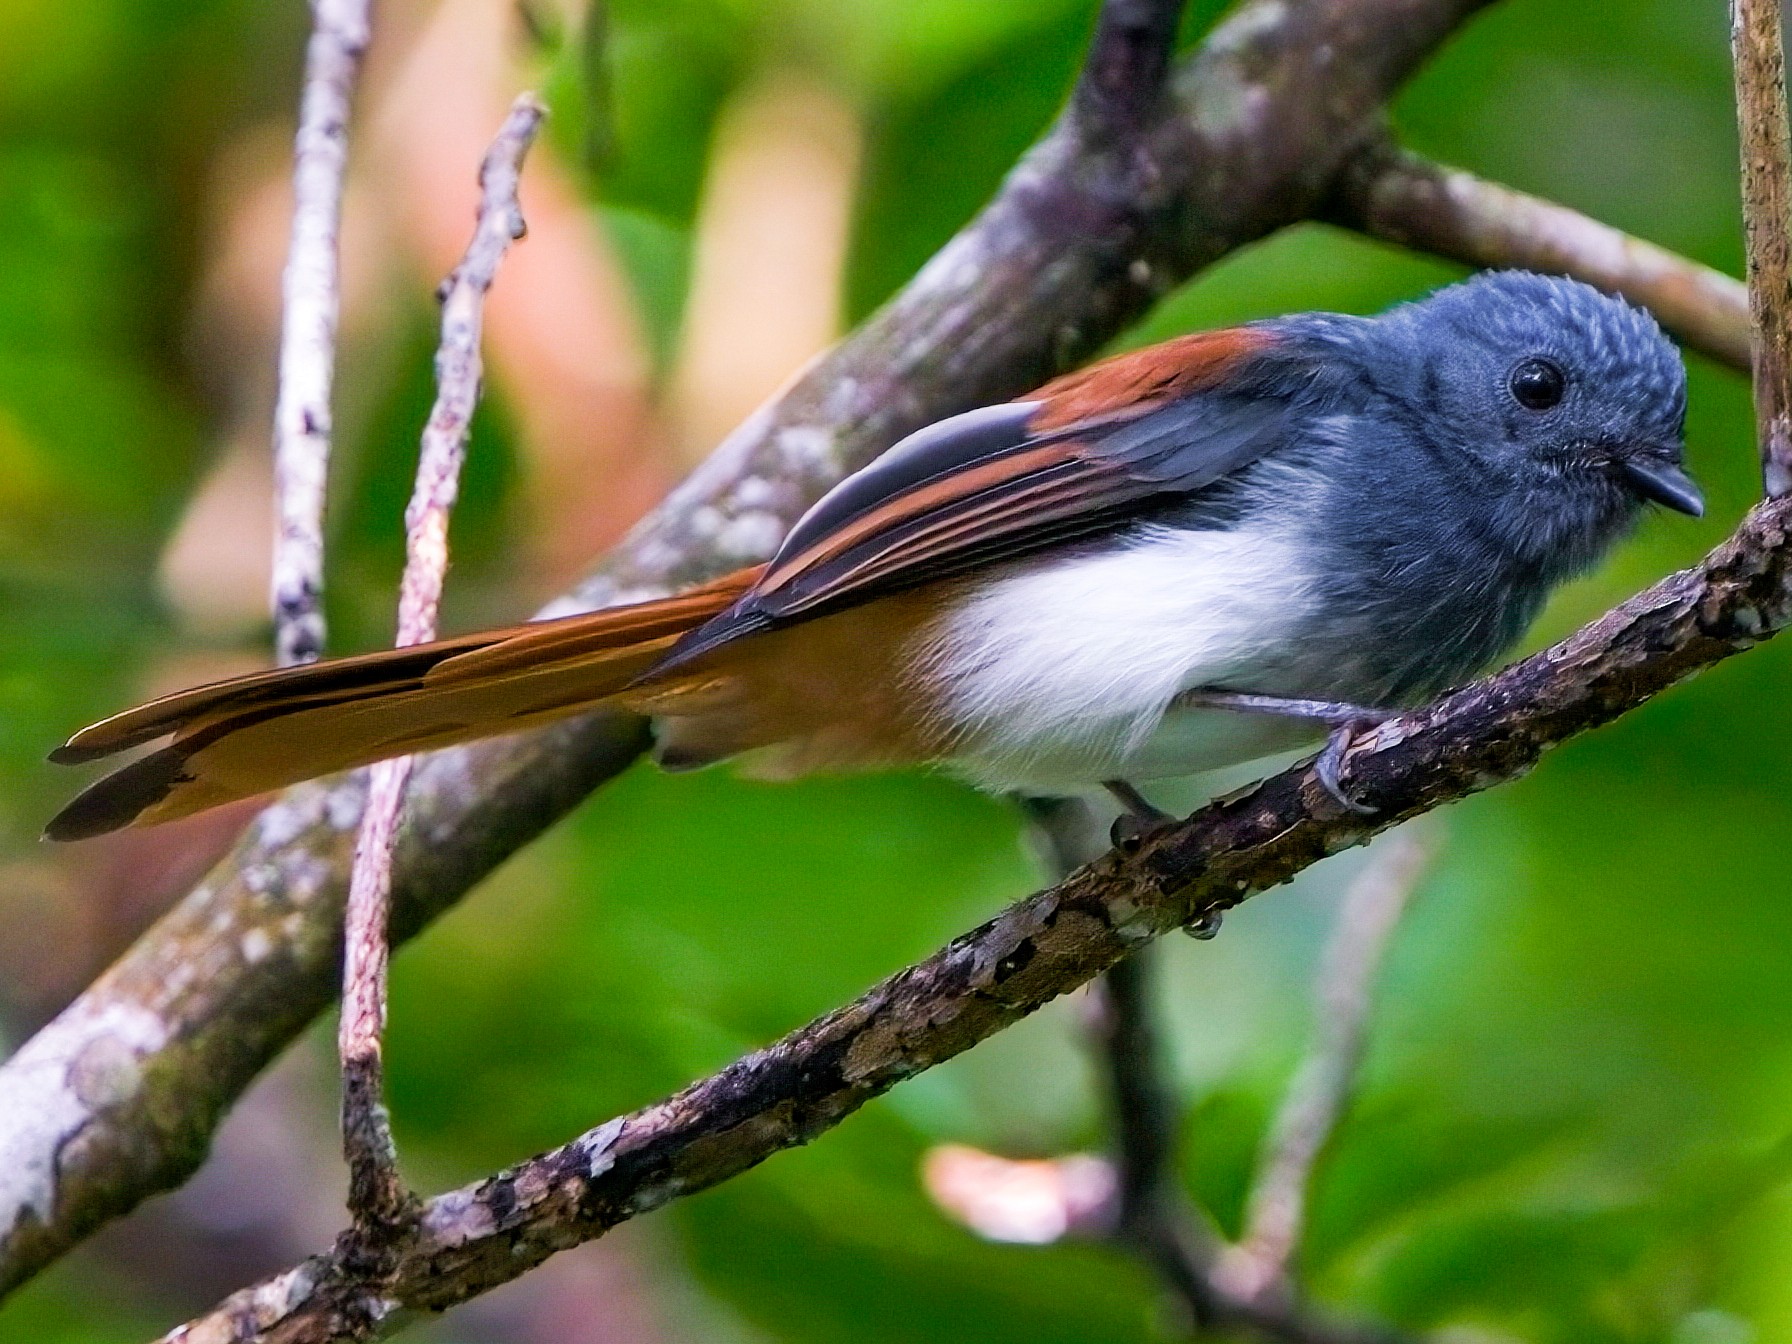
(1766, 198)
(312, 300)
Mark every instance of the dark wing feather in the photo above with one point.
(1080, 457)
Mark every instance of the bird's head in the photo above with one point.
(1558, 388)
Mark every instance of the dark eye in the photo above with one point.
(1537, 384)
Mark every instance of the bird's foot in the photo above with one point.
(1138, 818)
(1331, 759)
(1346, 720)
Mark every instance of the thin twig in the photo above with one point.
(1152, 1216)
(1150, 1213)
(1155, 1217)
(312, 301)
(1390, 193)
(1317, 1097)
(376, 1194)
(1766, 198)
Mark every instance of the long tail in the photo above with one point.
(238, 738)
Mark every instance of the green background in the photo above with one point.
(1574, 1116)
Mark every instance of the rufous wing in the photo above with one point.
(1084, 455)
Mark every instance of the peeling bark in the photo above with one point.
(1760, 61)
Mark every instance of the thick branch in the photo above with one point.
(1766, 199)
(376, 1195)
(1077, 242)
(1493, 731)
(1391, 194)
(312, 300)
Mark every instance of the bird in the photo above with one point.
(1190, 556)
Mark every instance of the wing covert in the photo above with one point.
(1078, 457)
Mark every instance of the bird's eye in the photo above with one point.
(1537, 384)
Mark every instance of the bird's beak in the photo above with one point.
(1664, 483)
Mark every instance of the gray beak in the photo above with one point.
(1664, 483)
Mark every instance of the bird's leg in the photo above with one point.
(1139, 816)
(1346, 721)
(1335, 712)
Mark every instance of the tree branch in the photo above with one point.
(1389, 193)
(312, 300)
(1153, 1217)
(1472, 739)
(1075, 244)
(376, 1195)
(1766, 199)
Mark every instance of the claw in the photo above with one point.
(1325, 769)
(1138, 819)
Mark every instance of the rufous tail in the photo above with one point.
(238, 738)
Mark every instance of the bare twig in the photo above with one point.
(1392, 194)
(1258, 1265)
(1153, 1216)
(1766, 199)
(1150, 1214)
(376, 1194)
(313, 296)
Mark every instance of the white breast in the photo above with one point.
(1058, 673)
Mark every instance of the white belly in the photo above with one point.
(1059, 674)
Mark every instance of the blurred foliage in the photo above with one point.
(1574, 1119)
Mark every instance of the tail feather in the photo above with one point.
(363, 674)
(235, 739)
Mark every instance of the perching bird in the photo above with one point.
(1146, 569)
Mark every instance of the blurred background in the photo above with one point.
(1575, 1112)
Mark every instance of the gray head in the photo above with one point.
(1510, 428)
(1565, 395)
